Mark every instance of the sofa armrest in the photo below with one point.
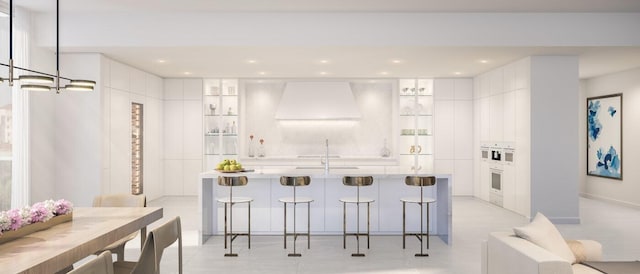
(508, 254)
(586, 250)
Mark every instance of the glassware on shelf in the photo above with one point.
(229, 112)
(261, 150)
(212, 108)
(385, 152)
(211, 147)
(233, 128)
(252, 149)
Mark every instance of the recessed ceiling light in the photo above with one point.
(161, 61)
(323, 73)
(384, 73)
(396, 61)
(324, 61)
(457, 73)
(251, 61)
(187, 73)
(483, 61)
(262, 73)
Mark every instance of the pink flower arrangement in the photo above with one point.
(16, 218)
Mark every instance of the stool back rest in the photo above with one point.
(232, 181)
(295, 180)
(420, 180)
(120, 200)
(357, 180)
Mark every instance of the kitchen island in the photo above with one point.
(326, 211)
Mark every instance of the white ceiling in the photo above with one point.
(341, 5)
(355, 61)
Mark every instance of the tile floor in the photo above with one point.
(614, 226)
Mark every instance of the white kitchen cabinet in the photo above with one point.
(138, 82)
(497, 81)
(509, 186)
(496, 118)
(509, 116)
(220, 122)
(485, 179)
(416, 123)
(485, 119)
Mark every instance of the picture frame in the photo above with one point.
(604, 136)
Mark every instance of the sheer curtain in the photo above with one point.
(20, 187)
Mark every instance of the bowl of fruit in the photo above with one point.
(229, 166)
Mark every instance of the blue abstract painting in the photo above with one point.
(604, 136)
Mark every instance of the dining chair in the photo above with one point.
(99, 265)
(157, 241)
(119, 200)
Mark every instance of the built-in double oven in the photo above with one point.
(498, 155)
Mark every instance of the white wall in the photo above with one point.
(182, 136)
(554, 137)
(622, 191)
(453, 132)
(123, 85)
(78, 137)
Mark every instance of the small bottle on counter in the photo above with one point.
(261, 150)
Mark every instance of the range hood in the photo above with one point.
(317, 101)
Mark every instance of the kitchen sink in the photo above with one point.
(322, 167)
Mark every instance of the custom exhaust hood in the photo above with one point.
(317, 101)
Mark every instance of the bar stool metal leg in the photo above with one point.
(368, 223)
(285, 225)
(230, 254)
(295, 236)
(249, 228)
(344, 225)
(404, 225)
(308, 225)
(225, 226)
(422, 254)
(358, 254)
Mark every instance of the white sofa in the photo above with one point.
(505, 253)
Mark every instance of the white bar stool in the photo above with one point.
(356, 181)
(295, 182)
(231, 200)
(421, 182)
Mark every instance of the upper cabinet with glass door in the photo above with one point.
(220, 123)
(416, 124)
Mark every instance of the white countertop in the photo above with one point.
(318, 172)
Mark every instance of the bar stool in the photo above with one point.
(231, 182)
(356, 181)
(294, 182)
(421, 182)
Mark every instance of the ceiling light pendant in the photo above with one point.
(78, 88)
(36, 79)
(43, 81)
(35, 87)
(84, 83)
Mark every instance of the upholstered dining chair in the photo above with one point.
(99, 265)
(157, 241)
(120, 200)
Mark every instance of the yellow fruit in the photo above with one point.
(227, 168)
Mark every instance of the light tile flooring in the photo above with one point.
(614, 226)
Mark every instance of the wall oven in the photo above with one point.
(495, 196)
(509, 155)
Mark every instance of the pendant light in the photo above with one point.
(42, 81)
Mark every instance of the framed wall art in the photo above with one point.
(604, 136)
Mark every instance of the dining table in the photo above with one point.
(90, 230)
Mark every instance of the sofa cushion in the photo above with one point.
(544, 234)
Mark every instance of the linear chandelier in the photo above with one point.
(43, 81)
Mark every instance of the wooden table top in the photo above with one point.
(91, 229)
